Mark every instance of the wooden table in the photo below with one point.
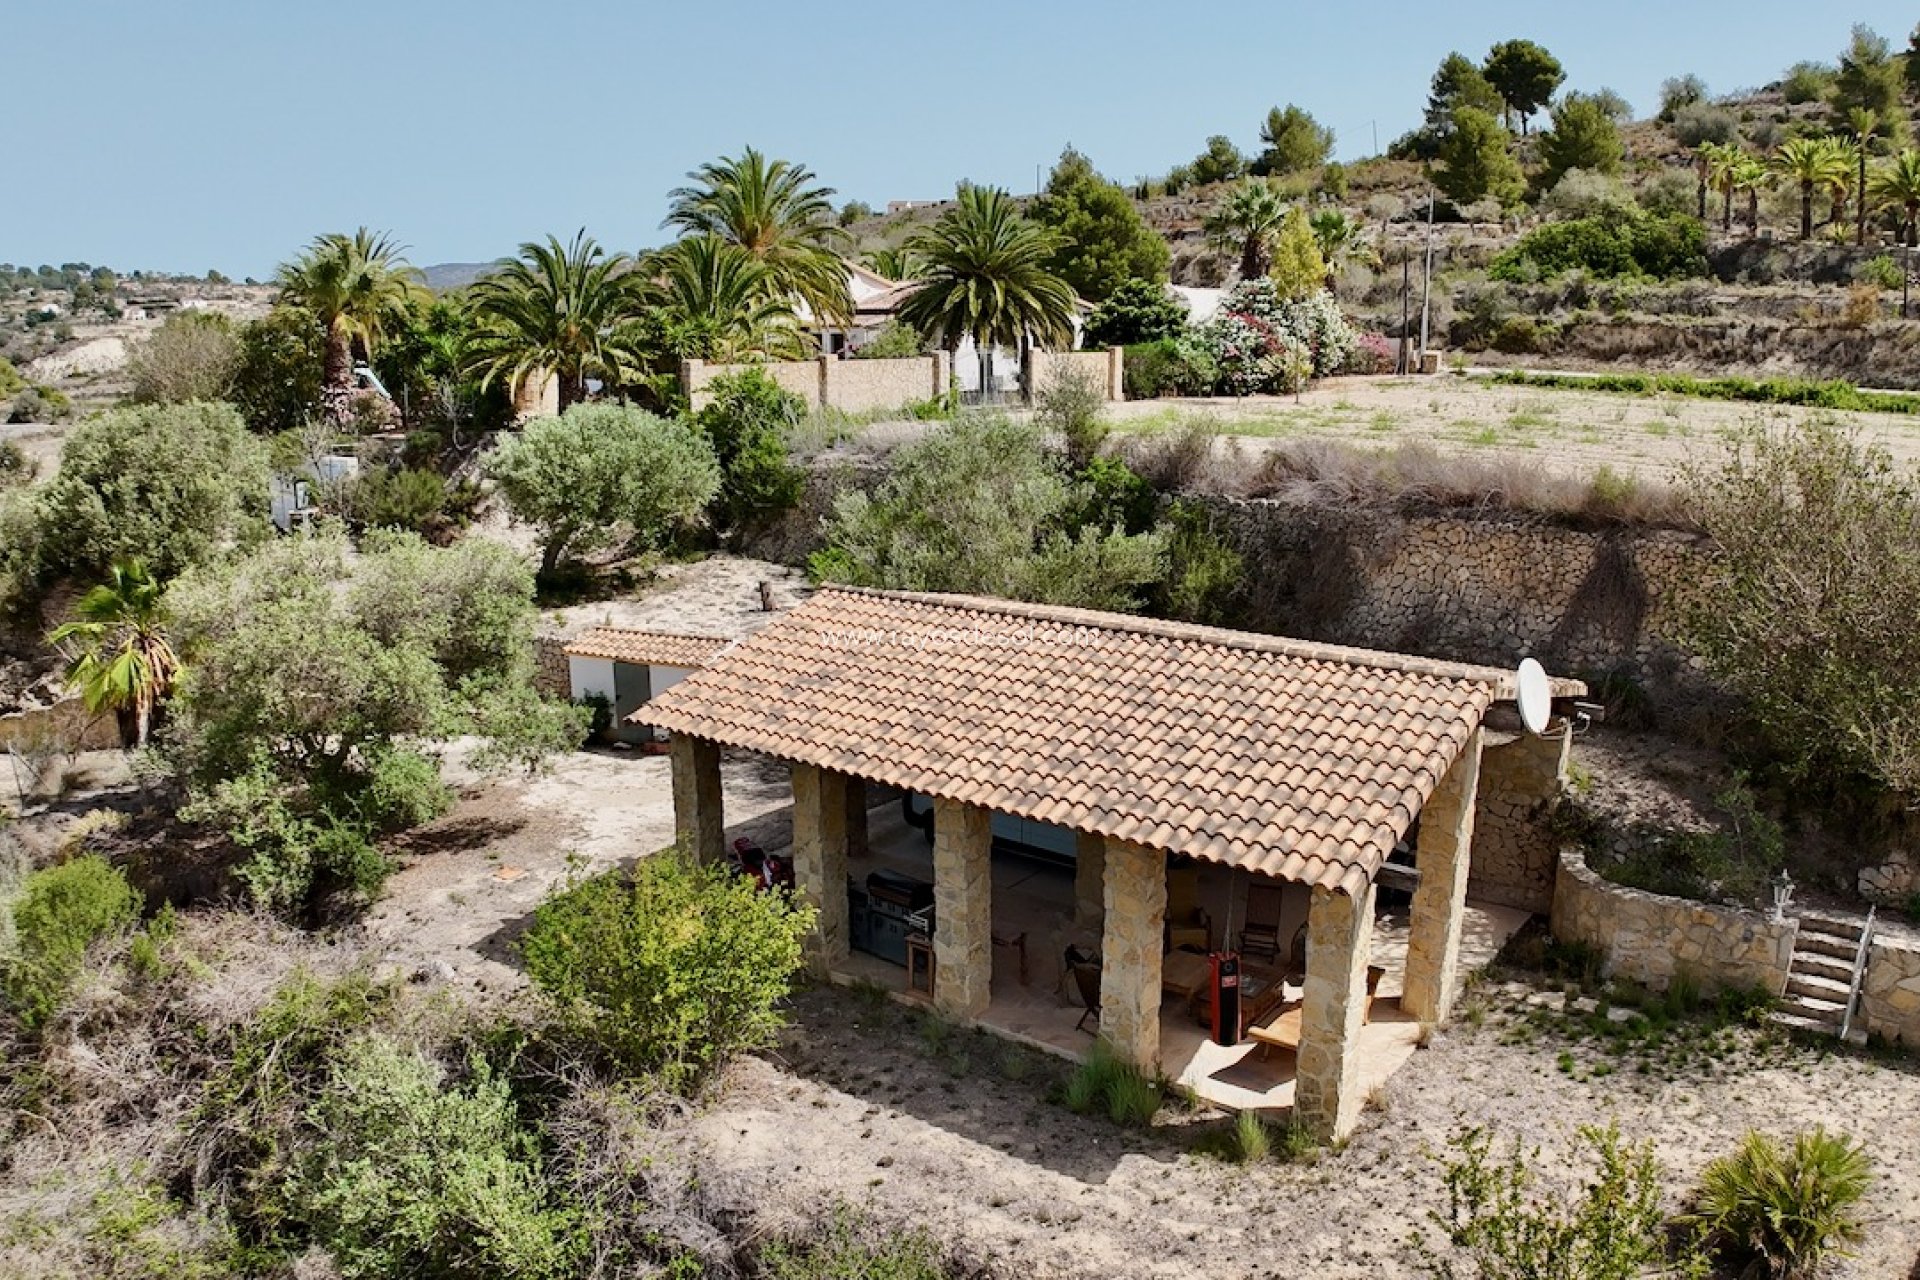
(1185, 974)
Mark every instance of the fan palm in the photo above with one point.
(895, 262)
(1898, 182)
(1813, 163)
(775, 211)
(722, 299)
(356, 286)
(119, 657)
(1342, 242)
(1750, 175)
(1247, 221)
(986, 277)
(557, 308)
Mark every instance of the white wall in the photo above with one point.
(590, 676)
(664, 678)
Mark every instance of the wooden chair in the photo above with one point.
(1260, 935)
(1086, 977)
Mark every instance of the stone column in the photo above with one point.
(963, 909)
(1444, 857)
(820, 859)
(1326, 1084)
(693, 381)
(1089, 881)
(1136, 919)
(699, 821)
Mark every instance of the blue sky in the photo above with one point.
(190, 134)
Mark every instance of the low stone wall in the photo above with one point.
(67, 725)
(850, 386)
(1890, 992)
(1515, 852)
(1104, 369)
(1648, 938)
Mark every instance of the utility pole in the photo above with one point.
(1426, 285)
(1406, 311)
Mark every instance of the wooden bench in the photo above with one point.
(1282, 1029)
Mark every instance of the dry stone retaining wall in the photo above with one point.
(1515, 852)
(1890, 991)
(1648, 937)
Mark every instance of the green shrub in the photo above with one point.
(61, 911)
(400, 789)
(1612, 1228)
(750, 424)
(395, 498)
(1881, 272)
(414, 1176)
(191, 356)
(1168, 367)
(1789, 1209)
(850, 1248)
(1791, 391)
(1106, 1082)
(672, 971)
(16, 468)
(1114, 496)
(895, 341)
(1139, 311)
(1618, 246)
(1071, 406)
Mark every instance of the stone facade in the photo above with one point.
(1104, 369)
(1131, 943)
(850, 386)
(1648, 937)
(699, 818)
(963, 909)
(1890, 991)
(1515, 852)
(552, 674)
(1333, 1008)
(820, 808)
(1444, 856)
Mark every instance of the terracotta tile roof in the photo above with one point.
(1302, 761)
(645, 648)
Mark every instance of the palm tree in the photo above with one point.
(1247, 220)
(986, 277)
(118, 655)
(1865, 124)
(556, 308)
(1811, 162)
(355, 286)
(723, 301)
(1750, 174)
(1342, 243)
(776, 212)
(895, 262)
(1722, 160)
(1898, 182)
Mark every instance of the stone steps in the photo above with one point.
(1834, 991)
(1820, 975)
(1823, 966)
(1828, 944)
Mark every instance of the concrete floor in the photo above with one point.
(1035, 899)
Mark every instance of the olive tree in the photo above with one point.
(600, 470)
(318, 684)
(169, 484)
(1809, 615)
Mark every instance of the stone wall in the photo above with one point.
(551, 675)
(1515, 852)
(1104, 369)
(1648, 938)
(67, 725)
(1492, 589)
(1890, 991)
(850, 386)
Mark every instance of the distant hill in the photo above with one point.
(445, 276)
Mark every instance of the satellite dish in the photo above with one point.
(1534, 695)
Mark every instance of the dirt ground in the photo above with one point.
(1575, 431)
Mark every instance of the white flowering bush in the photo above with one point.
(1313, 324)
(1253, 357)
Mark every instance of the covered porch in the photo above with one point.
(1186, 767)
